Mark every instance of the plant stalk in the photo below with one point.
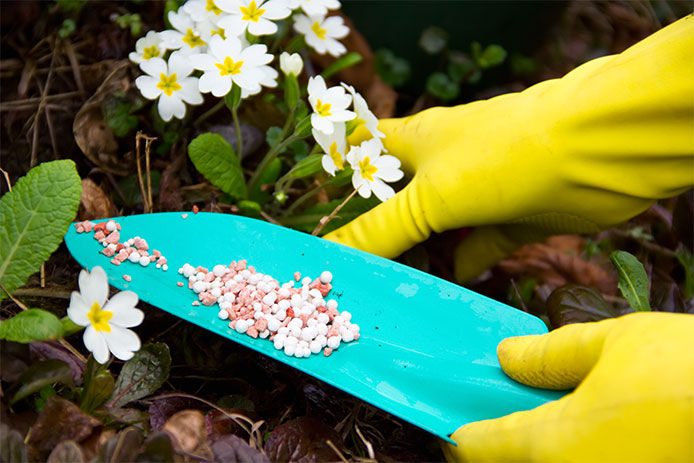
(324, 221)
(237, 128)
(204, 116)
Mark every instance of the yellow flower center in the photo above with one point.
(193, 40)
(212, 7)
(150, 52)
(252, 12)
(367, 169)
(229, 67)
(168, 84)
(219, 32)
(323, 110)
(319, 31)
(336, 156)
(100, 318)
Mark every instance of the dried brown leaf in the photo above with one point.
(66, 452)
(60, 420)
(92, 134)
(187, 430)
(302, 439)
(557, 261)
(94, 203)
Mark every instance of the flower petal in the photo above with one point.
(94, 286)
(190, 90)
(180, 64)
(202, 61)
(122, 342)
(148, 87)
(122, 305)
(154, 67)
(322, 124)
(170, 106)
(328, 164)
(78, 309)
(96, 344)
(381, 190)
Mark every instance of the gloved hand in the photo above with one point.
(571, 155)
(633, 402)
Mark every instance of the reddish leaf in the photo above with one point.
(233, 449)
(302, 439)
(52, 350)
(60, 420)
(577, 304)
(161, 410)
(556, 262)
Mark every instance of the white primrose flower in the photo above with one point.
(291, 64)
(322, 33)
(372, 170)
(364, 114)
(187, 37)
(170, 83)
(315, 7)
(329, 105)
(106, 322)
(256, 16)
(269, 79)
(203, 10)
(150, 46)
(227, 62)
(334, 147)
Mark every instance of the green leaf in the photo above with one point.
(117, 116)
(460, 67)
(633, 281)
(268, 177)
(215, 159)
(296, 44)
(249, 208)
(291, 91)
(492, 55)
(38, 376)
(307, 166)
(69, 327)
(300, 149)
(98, 385)
(442, 87)
(273, 136)
(393, 70)
(31, 325)
(233, 98)
(577, 304)
(350, 59)
(433, 40)
(142, 375)
(34, 217)
(686, 259)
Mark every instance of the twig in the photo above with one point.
(10, 105)
(146, 193)
(646, 244)
(269, 218)
(42, 292)
(40, 109)
(367, 444)
(63, 342)
(75, 65)
(518, 295)
(324, 221)
(43, 275)
(7, 178)
(336, 450)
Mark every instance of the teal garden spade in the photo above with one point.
(427, 349)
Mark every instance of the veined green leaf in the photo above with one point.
(142, 375)
(307, 166)
(215, 159)
(633, 281)
(31, 325)
(34, 217)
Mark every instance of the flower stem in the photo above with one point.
(324, 221)
(274, 151)
(203, 117)
(237, 129)
(301, 199)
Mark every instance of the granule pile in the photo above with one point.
(297, 320)
(136, 250)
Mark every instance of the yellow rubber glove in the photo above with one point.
(570, 155)
(634, 400)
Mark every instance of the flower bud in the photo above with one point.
(291, 64)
